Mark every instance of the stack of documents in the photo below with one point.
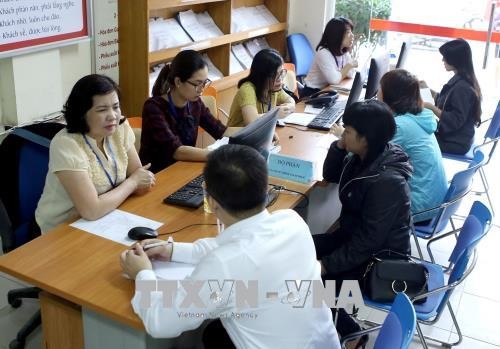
(213, 72)
(242, 55)
(154, 75)
(246, 18)
(234, 65)
(166, 33)
(255, 45)
(199, 26)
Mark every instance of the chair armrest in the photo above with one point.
(358, 334)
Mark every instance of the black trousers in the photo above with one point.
(326, 244)
(216, 337)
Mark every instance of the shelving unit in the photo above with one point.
(136, 60)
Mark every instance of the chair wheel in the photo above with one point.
(16, 344)
(15, 302)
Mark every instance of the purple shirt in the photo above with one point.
(162, 132)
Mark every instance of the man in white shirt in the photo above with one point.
(256, 248)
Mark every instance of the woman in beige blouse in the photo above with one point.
(93, 164)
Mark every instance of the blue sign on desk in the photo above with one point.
(288, 167)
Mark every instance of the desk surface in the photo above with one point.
(84, 268)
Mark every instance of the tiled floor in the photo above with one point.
(476, 302)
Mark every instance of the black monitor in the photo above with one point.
(259, 134)
(403, 54)
(378, 67)
(357, 86)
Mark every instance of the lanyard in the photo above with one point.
(268, 105)
(173, 111)
(113, 184)
(185, 125)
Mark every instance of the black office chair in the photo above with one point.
(379, 65)
(403, 54)
(26, 153)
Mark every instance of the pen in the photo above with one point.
(160, 243)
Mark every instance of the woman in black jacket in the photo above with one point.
(373, 189)
(458, 105)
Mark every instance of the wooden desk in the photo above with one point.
(80, 273)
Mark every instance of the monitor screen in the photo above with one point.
(259, 134)
(378, 67)
(357, 86)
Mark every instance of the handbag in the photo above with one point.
(385, 277)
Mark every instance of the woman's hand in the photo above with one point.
(143, 178)
(337, 130)
(286, 109)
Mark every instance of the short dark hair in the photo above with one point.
(236, 177)
(80, 100)
(183, 66)
(333, 35)
(264, 67)
(458, 54)
(401, 92)
(373, 120)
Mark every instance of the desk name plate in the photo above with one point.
(291, 168)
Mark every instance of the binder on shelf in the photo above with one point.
(234, 65)
(242, 55)
(198, 26)
(166, 33)
(255, 45)
(213, 73)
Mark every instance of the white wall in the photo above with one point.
(309, 18)
(36, 84)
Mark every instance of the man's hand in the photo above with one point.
(134, 260)
(160, 253)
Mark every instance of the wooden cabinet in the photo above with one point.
(136, 60)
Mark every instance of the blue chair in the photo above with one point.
(440, 291)
(490, 140)
(460, 186)
(301, 54)
(26, 150)
(398, 328)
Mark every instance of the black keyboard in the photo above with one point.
(190, 195)
(328, 116)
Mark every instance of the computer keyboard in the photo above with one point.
(328, 116)
(190, 195)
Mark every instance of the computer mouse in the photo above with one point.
(141, 233)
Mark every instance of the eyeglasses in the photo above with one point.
(200, 85)
(281, 75)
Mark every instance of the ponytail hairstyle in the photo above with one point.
(183, 66)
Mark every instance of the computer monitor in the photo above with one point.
(357, 86)
(378, 67)
(403, 54)
(259, 134)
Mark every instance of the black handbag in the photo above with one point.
(385, 277)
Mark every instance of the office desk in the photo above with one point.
(86, 301)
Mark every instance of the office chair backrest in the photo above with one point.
(379, 65)
(301, 53)
(493, 130)
(27, 151)
(403, 54)
(399, 326)
(460, 185)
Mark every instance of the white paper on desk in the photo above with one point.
(242, 55)
(426, 95)
(218, 143)
(115, 225)
(326, 140)
(309, 109)
(172, 270)
(301, 119)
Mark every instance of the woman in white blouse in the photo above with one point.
(93, 164)
(333, 61)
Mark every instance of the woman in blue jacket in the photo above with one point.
(415, 127)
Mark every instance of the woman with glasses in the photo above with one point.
(170, 118)
(333, 61)
(261, 90)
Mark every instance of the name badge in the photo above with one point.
(288, 167)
